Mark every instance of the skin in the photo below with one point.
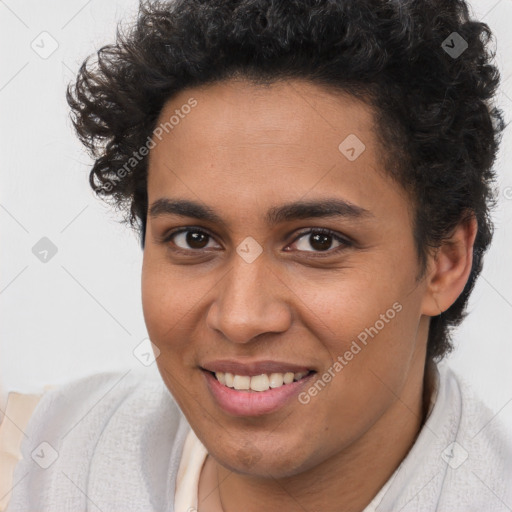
(242, 150)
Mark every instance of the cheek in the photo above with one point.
(153, 306)
(344, 303)
(368, 326)
(165, 298)
(162, 299)
(164, 313)
(171, 305)
(372, 357)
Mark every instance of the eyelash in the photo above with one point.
(324, 231)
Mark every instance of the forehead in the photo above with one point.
(240, 111)
(249, 143)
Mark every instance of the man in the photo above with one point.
(312, 182)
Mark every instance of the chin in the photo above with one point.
(249, 459)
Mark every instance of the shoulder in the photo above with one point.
(85, 402)
(479, 457)
(461, 459)
(83, 399)
(479, 424)
(94, 435)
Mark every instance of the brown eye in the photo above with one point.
(196, 239)
(320, 240)
(189, 239)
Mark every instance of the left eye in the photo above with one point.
(320, 240)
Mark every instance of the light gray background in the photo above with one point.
(80, 312)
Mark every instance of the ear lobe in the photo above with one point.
(450, 269)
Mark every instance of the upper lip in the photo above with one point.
(253, 368)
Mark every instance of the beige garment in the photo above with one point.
(17, 414)
(187, 481)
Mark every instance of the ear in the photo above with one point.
(450, 267)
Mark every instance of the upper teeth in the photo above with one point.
(259, 382)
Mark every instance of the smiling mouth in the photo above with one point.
(258, 383)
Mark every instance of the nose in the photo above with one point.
(250, 300)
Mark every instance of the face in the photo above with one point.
(260, 286)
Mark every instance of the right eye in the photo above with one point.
(187, 240)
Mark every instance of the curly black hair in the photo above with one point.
(423, 66)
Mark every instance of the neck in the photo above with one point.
(347, 481)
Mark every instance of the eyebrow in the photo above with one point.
(330, 207)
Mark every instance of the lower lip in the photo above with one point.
(253, 403)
